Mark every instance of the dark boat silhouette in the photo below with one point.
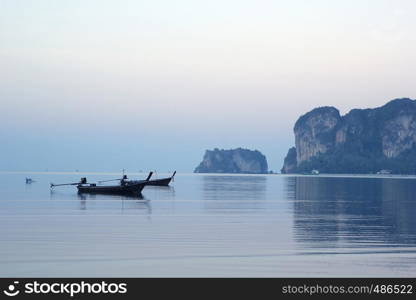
(125, 187)
(29, 180)
(161, 181)
(158, 182)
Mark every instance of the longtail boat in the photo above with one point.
(124, 187)
(158, 182)
(162, 181)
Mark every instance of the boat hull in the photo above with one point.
(128, 189)
(160, 182)
(156, 182)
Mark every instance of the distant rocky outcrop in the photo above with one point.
(290, 161)
(362, 141)
(233, 161)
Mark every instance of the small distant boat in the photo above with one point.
(29, 180)
(384, 172)
(125, 187)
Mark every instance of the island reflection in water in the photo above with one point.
(234, 194)
(359, 212)
(234, 187)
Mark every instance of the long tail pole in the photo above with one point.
(61, 184)
(83, 180)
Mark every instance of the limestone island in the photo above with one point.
(380, 140)
(233, 161)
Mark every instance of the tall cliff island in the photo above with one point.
(362, 141)
(233, 161)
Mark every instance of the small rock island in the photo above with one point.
(379, 140)
(233, 161)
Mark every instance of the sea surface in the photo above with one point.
(210, 226)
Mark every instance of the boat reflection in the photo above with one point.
(84, 196)
(125, 203)
(103, 203)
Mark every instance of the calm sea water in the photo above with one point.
(210, 225)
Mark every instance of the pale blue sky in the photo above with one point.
(104, 85)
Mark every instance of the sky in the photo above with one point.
(100, 85)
